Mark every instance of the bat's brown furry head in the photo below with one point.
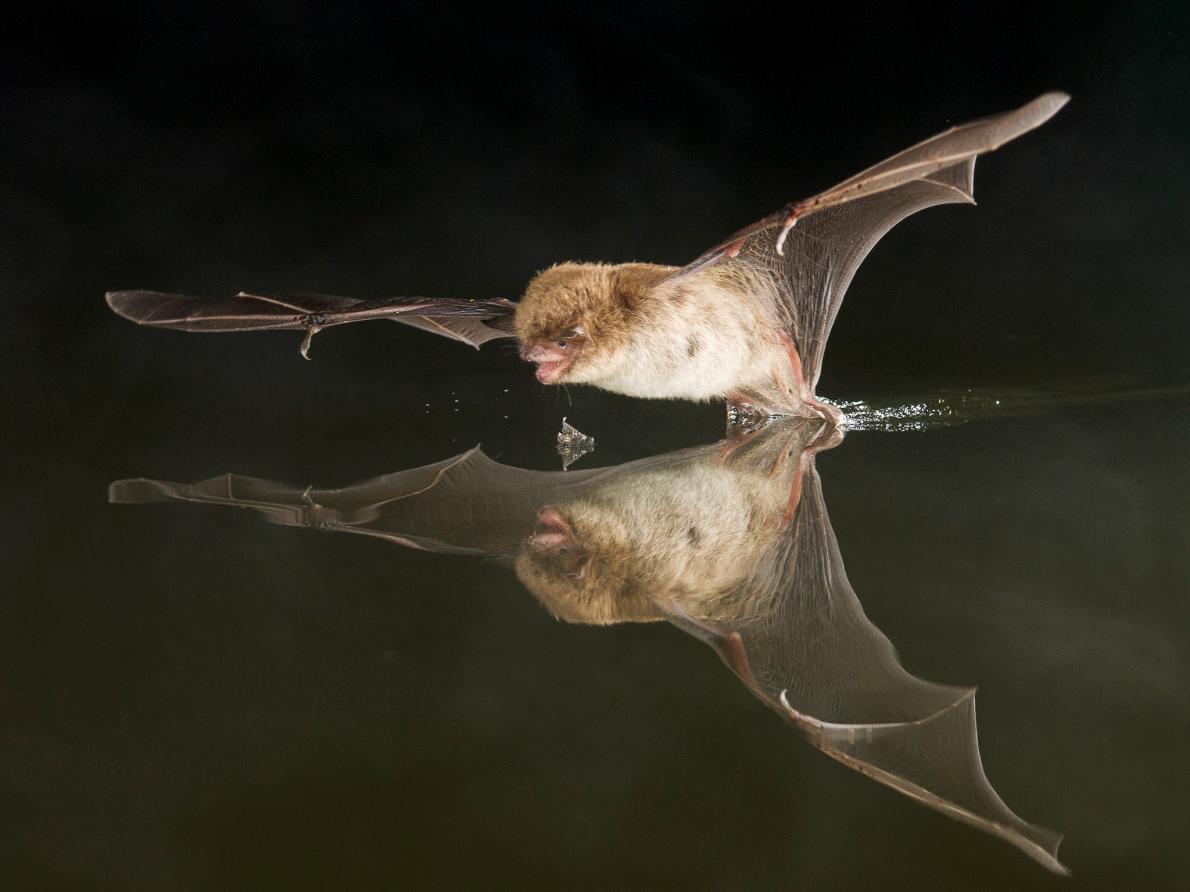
(573, 316)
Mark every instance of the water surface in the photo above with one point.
(200, 699)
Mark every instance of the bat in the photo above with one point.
(747, 321)
(730, 542)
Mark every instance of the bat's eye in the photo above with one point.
(564, 340)
(563, 550)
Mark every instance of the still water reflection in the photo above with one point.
(730, 542)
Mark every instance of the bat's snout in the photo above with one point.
(552, 360)
(539, 352)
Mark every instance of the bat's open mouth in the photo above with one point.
(551, 361)
(551, 370)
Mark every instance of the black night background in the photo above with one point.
(193, 699)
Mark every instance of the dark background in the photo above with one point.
(193, 700)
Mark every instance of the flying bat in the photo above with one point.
(747, 321)
(729, 542)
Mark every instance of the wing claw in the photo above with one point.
(792, 213)
(307, 340)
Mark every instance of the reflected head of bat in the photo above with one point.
(695, 539)
(579, 576)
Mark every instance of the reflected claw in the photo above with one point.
(795, 716)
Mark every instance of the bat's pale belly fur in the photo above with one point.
(709, 350)
(703, 338)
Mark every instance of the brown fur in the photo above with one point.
(602, 297)
(605, 593)
(688, 537)
(713, 334)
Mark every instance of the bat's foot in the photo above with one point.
(830, 413)
(798, 389)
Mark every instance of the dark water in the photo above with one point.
(199, 699)
(192, 698)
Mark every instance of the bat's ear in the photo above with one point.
(581, 330)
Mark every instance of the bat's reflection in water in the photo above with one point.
(730, 542)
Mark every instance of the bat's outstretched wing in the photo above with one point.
(473, 322)
(811, 249)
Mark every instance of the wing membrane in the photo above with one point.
(473, 322)
(811, 249)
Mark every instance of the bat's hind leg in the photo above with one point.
(799, 388)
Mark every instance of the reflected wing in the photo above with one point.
(467, 504)
(473, 322)
(796, 628)
(812, 248)
(935, 761)
(804, 646)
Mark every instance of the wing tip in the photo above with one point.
(1046, 106)
(135, 306)
(120, 303)
(1047, 854)
(124, 492)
